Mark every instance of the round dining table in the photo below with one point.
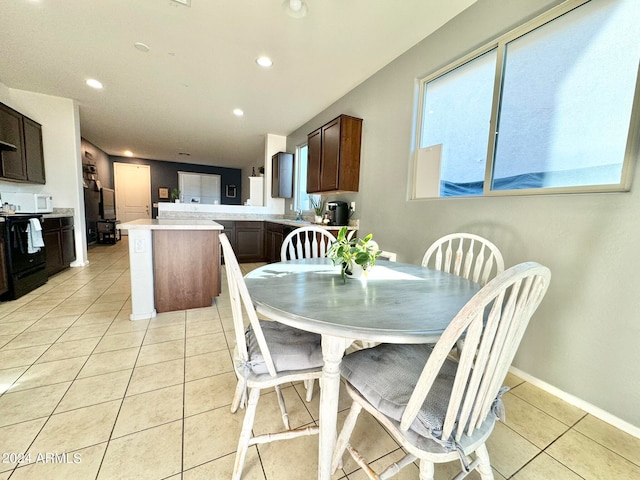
(393, 303)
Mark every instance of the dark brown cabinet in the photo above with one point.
(22, 153)
(274, 235)
(34, 155)
(282, 175)
(246, 239)
(59, 243)
(4, 279)
(334, 156)
(249, 246)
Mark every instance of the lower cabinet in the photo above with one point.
(246, 238)
(59, 243)
(274, 235)
(249, 242)
(4, 280)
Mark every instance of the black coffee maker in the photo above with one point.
(338, 212)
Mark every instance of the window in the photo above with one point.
(199, 188)
(548, 108)
(302, 197)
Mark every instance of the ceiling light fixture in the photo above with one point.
(295, 8)
(265, 62)
(128, 153)
(238, 112)
(143, 47)
(93, 83)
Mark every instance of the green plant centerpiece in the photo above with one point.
(175, 194)
(353, 254)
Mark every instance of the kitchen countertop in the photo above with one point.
(170, 224)
(304, 223)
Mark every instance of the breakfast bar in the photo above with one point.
(174, 264)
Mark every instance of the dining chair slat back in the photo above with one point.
(453, 404)
(306, 242)
(465, 255)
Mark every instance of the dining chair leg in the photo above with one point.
(309, 386)
(237, 397)
(426, 470)
(245, 434)
(484, 467)
(345, 435)
(283, 408)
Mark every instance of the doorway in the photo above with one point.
(133, 191)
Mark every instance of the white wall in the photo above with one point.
(60, 122)
(584, 338)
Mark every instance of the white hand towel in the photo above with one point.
(34, 236)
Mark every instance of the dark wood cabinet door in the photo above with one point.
(314, 155)
(330, 156)
(33, 152)
(249, 241)
(12, 132)
(4, 280)
(282, 175)
(53, 251)
(68, 246)
(273, 241)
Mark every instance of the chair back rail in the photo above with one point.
(465, 255)
(491, 341)
(306, 242)
(240, 297)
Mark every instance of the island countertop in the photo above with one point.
(170, 224)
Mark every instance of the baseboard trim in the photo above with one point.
(577, 402)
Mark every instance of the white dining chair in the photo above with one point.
(306, 242)
(437, 408)
(465, 255)
(267, 354)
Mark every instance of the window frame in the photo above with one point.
(632, 147)
(298, 176)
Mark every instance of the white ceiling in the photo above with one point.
(179, 96)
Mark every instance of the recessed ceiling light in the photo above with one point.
(128, 153)
(93, 83)
(141, 47)
(238, 112)
(264, 61)
(295, 8)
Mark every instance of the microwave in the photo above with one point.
(29, 202)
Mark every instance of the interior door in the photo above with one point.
(133, 191)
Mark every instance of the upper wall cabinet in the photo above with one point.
(282, 175)
(21, 147)
(334, 156)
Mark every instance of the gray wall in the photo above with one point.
(584, 338)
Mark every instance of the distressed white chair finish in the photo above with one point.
(306, 242)
(257, 338)
(454, 401)
(466, 255)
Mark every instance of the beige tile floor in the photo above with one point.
(87, 394)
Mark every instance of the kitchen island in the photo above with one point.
(174, 264)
